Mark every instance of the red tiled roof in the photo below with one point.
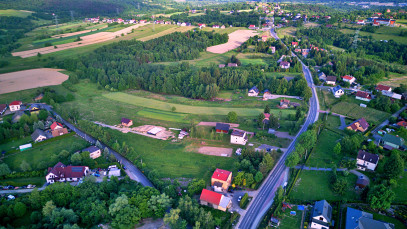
(362, 122)
(402, 123)
(294, 43)
(210, 197)
(347, 77)
(221, 174)
(55, 124)
(15, 103)
(60, 170)
(363, 94)
(380, 87)
(266, 116)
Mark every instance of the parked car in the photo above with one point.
(31, 186)
(239, 199)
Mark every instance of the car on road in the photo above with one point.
(124, 167)
(239, 199)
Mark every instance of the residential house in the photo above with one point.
(59, 132)
(56, 125)
(38, 135)
(3, 108)
(94, 152)
(392, 142)
(382, 88)
(360, 22)
(284, 103)
(321, 215)
(384, 21)
(253, 91)
(366, 160)
(358, 125)
(221, 65)
(238, 137)
(297, 50)
(391, 95)
(215, 200)
(273, 49)
(222, 127)
(215, 26)
(232, 65)
(34, 108)
(362, 95)
(285, 65)
(322, 76)
(356, 219)
(15, 105)
(264, 38)
(201, 26)
(337, 91)
(252, 27)
(305, 52)
(267, 95)
(221, 180)
(331, 80)
(294, 44)
(349, 79)
(402, 123)
(39, 97)
(114, 172)
(126, 122)
(62, 173)
(266, 119)
(362, 182)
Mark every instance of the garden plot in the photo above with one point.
(236, 39)
(216, 151)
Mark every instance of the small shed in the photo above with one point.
(222, 128)
(154, 131)
(25, 147)
(274, 222)
(362, 183)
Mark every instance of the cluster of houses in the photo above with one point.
(238, 137)
(229, 65)
(55, 129)
(220, 182)
(377, 21)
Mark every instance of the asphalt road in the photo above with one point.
(262, 202)
(131, 170)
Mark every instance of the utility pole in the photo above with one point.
(117, 10)
(56, 19)
(153, 24)
(138, 6)
(72, 18)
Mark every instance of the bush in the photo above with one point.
(244, 201)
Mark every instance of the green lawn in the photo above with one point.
(17, 182)
(355, 111)
(225, 94)
(252, 61)
(383, 33)
(156, 104)
(323, 155)
(171, 159)
(225, 30)
(15, 13)
(333, 122)
(288, 221)
(14, 144)
(314, 185)
(401, 188)
(397, 223)
(44, 152)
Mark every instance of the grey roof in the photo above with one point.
(337, 88)
(323, 208)
(393, 139)
(91, 149)
(238, 133)
(368, 223)
(369, 157)
(38, 133)
(356, 219)
(222, 126)
(362, 181)
(331, 78)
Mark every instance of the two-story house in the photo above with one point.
(337, 91)
(238, 137)
(94, 152)
(358, 125)
(15, 105)
(215, 200)
(253, 91)
(321, 215)
(366, 160)
(62, 173)
(221, 180)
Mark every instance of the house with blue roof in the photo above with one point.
(321, 215)
(338, 91)
(253, 91)
(356, 219)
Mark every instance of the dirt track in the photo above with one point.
(216, 151)
(236, 39)
(86, 40)
(22, 80)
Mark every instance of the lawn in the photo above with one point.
(18, 182)
(14, 144)
(225, 30)
(356, 112)
(171, 159)
(333, 122)
(326, 99)
(400, 190)
(395, 80)
(286, 31)
(163, 115)
(15, 13)
(323, 156)
(397, 223)
(180, 108)
(252, 61)
(225, 94)
(44, 152)
(383, 33)
(288, 221)
(314, 185)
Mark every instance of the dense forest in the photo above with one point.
(12, 29)
(236, 19)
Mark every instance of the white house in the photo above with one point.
(38, 135)
(62, 173)
(337, 91)
(366, 160)
(321, 215)
(349, 79)
(94, 152)
(114, 171)
(238, 137)
(253, 91)
(284, 65)
(362, 95)
(331, 80)
(15, 105)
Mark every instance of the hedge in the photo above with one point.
(244, 201)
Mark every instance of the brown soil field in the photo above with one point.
(216, 151)
(236, 39)
(71, 34)
(33, 78)
(86, 40)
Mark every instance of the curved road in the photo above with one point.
(262, 202)
(132, 171)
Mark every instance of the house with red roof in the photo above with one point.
(358, 125)
(215, 200)
(15, 105)
(294, 44)
(62, 173)
(349, 79)
(252, 27)
(382, 88)
(360, 22)
(285, 65)
(362, 95)
(402, 123)
(221, 180)
(56, 125)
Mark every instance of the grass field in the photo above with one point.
(252, 61)
(286, 31)
(18, 182)
(225, 94)
(171, 159)
(356, 112)
(168, 29)
(180, 108)
(11, 145)
(15, 13)
(401, 188)
(323, 155)
(289, 221)
(395, 80)
(225, 30)
(383, 33)
(314, 185)
(44, 152)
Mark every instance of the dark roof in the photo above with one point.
(323, 208)
(61, 170)
(126, 120)
(393, 139)
(362, 123)
(91, 149)
(369, 157)
(222, 126)
(380, 87)
(331, 78)
(238, 133)
(3, 107)
(363, 94)
(217, 184)
(255, 89)
(37, 133)
(337, 88)
(362, 181)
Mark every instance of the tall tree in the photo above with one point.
(380, 197)
(394, 166)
